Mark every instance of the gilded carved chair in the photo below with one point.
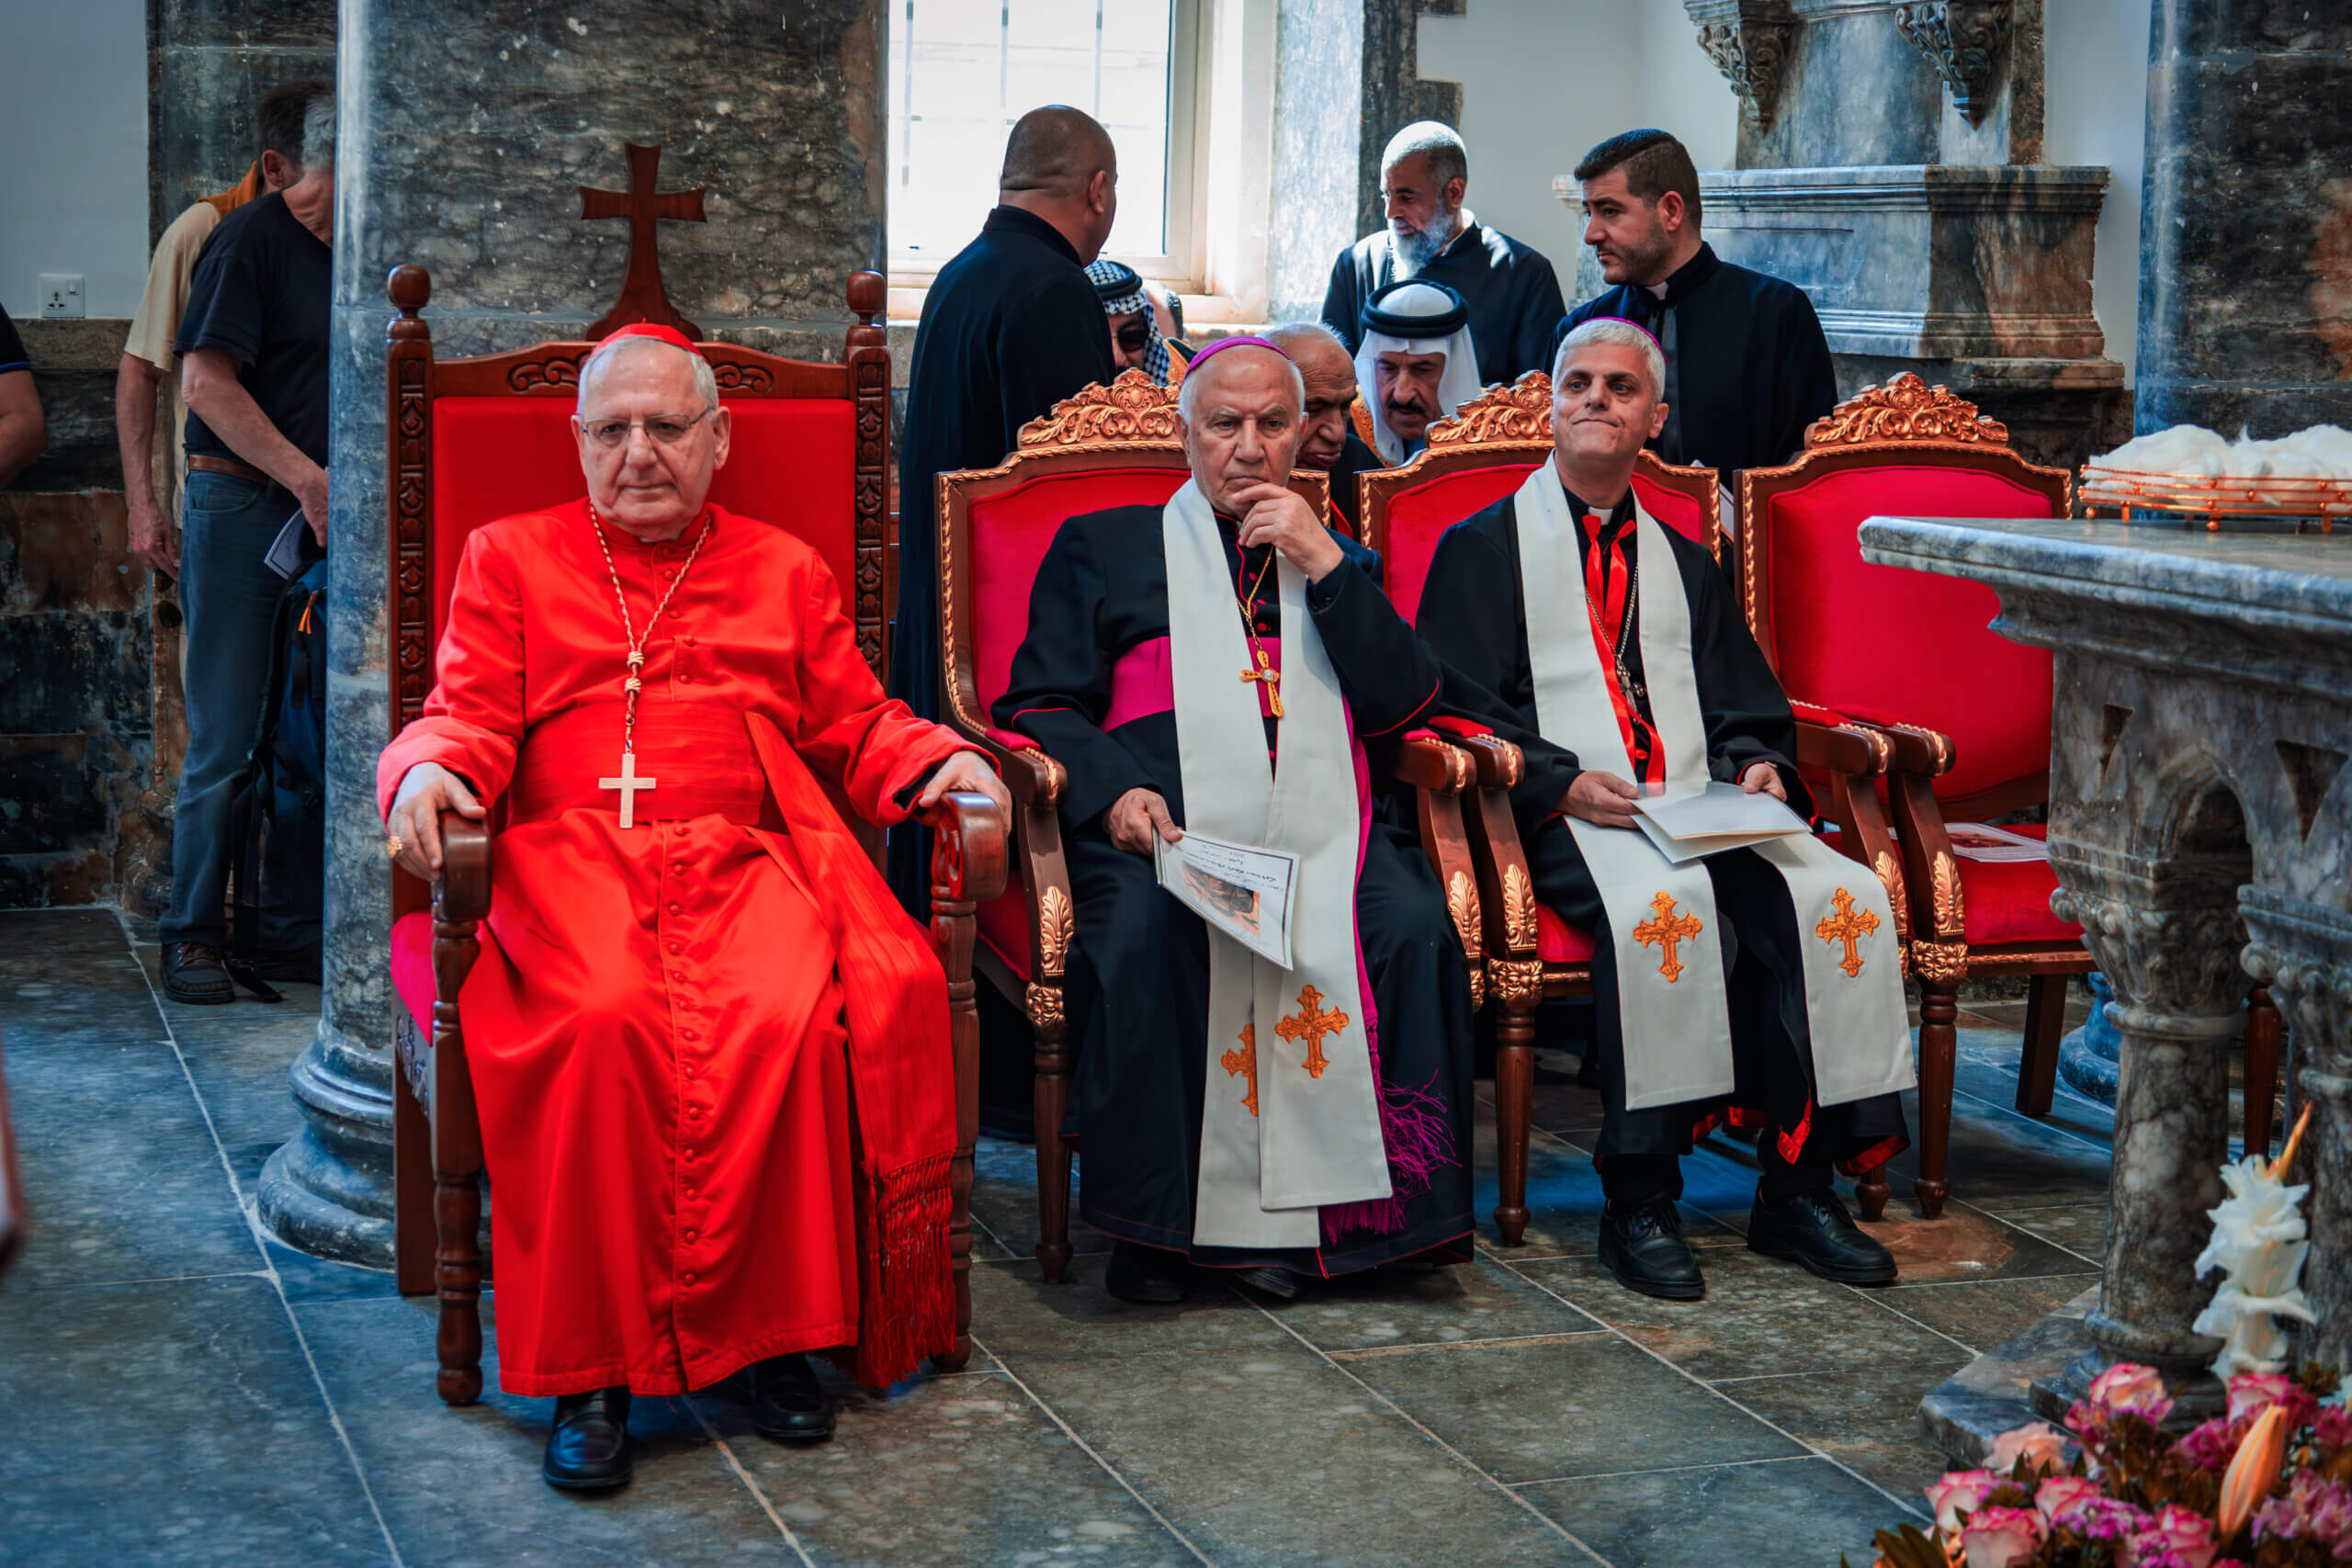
(472, 440)
(1482, 455)
(1114, 446)
(1912, 655)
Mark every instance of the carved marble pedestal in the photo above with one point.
(2200, 827)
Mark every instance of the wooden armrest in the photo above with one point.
(1853, 749)
(1427, 762)
(1917, 749)
(967, 857)
(1034, 778)
(462, 891)
(1497, 762)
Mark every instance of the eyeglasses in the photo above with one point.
(1133, 337)
(666, 429)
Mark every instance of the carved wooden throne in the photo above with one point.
(1482, 455)
(1965, 710)
(1107, 447)
(472, 440)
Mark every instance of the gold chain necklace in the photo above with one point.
(627, 783)
(1265, 671)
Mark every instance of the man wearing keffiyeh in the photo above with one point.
(1135, 341)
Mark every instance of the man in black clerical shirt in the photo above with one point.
(1327, 438)
(1513, 298)
(1010, 326)
(1746, 365)
(252, 349)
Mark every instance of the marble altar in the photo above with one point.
(2200, 827)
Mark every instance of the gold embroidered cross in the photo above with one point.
(1311, 1024)
(1848, 928)
(1665, 932)
(1244, 1060)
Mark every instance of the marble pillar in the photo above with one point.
(1394, 96)
(1319, 133)
(2245, 234)
(209, 64)
(466, 129)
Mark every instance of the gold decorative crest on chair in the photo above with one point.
(1905, 409)
(1134, 409)
(1520, 412)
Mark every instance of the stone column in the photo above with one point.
(466, 128)
(210, 62)
(2245, 234)
(2166, 934)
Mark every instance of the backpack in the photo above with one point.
(277, 816)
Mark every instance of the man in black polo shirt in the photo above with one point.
(252, 347)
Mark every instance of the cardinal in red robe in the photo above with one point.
(711, 1053)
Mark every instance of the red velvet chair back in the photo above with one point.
(1484, 454)
(1888, 643)
(473, 440)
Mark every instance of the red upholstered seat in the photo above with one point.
(1556, 942)
(2006, 902)
(412, 967)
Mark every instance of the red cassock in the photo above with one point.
(711, 1052)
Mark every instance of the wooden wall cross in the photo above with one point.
(643, 296)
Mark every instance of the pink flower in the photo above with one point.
(2062, 1498)
(2249, 1392)
(2312, 1509)
(2041, 1444)
(2003, 1537)
(1958, 1492)
(2332, 1430)
(2108, 1519)
(2211, 1445)
(2177, 1533)
(2129, 1389)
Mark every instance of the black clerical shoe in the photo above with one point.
(1268, 1279)
(1146, 1275)
(788, 1402)
(1643, 1248)
(588, 1450)
(1814, 1231)
(195, 972)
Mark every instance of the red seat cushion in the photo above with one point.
(2008, 901)
(1556, 942)
(1887, 644)
(1003, 921)
(412, 967)
(1417, 517)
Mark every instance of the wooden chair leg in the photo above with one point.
(1939, 1045)
(2262, 1028)
(953, 933)
(1871, 1191)
(413, 1189)
(457, 1142)
(2045, 1020)
(1514, 1111)
(1051, 1104)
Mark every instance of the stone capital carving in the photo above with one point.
(1963, 41)
(2303, 951)
(2166, 934)
(1750, 42)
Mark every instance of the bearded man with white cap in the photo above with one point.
(1414, 363)
(1762, 984)
(1227, 663)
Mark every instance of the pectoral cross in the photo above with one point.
(1271, 677)
(1665, 932)
(1848, 928)
(1311, 1024)
(628, 783)
(1244, 1061)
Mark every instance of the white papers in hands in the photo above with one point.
(1689, 822)
(1982, 841)
(1241, 889)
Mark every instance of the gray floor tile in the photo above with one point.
(460, 1488)
(1999, 1160)
(1799, 1513)
(1541, 1409)
(1004, 1200)
(178, 1424)
(1981, 1317)
(965, 1470)
(1760, 1316)
(1564, 1198)
(1479, 1300)
(1275, 1458)
(1963, 1243)
(238, 1056)
(1867, 1417)
(2080, 1228)
(1019, 1316)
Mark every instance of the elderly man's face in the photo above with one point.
(1331, 378)
(653, 479)
(1604, 406)
(1130, 338)
(1244, 427)
(1420, 210)
(1406, 386)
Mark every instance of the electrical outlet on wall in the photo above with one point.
(60, 296)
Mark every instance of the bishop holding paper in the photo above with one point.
(1227, 663)
(1761, 982)
(710, 1052)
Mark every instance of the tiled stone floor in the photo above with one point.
(180, 1390)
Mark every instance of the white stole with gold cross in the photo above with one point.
(1663, 927)
(1291, 1120)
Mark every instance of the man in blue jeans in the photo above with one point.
(253, 353)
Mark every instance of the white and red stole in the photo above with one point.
(1296, 1124)
(1662, 920)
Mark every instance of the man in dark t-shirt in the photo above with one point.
(252, 349)
(23, 429)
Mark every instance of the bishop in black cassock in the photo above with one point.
(1010, 327)
(1099, 621)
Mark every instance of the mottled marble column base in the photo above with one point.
(1996, 1392)
(328, 1192)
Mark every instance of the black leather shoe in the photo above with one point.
(588, 1450)
(1643, 1248)
(1814, 1231)
(788, 1402)
(195, 972)
(1146, 1275)
(1280, 1283)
